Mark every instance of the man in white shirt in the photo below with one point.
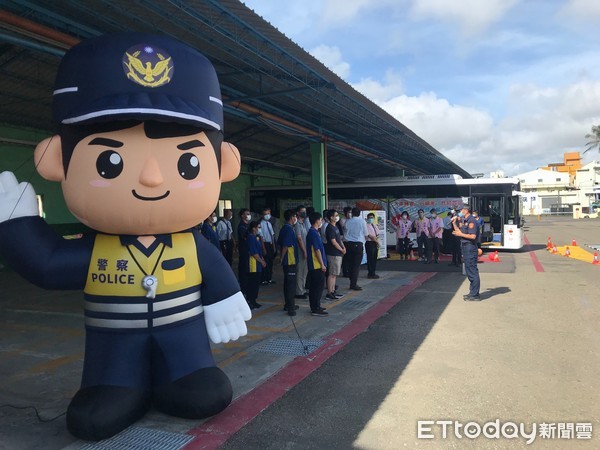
(356, 236)
(225, 233)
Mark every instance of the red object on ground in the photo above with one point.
(596, 262)
(567, 252)
(573, 243)
(549, 244)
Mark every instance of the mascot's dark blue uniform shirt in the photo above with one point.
(125, 330)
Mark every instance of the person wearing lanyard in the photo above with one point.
(268, 239)
(372, 246)
(225, 233)
(356, 236)
(468, 232)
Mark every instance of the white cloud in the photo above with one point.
(380, 92)
(472, 15)
(332, 58)
(542, 124)
(583, 9)
(440, 123)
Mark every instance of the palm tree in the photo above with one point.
(594, 138)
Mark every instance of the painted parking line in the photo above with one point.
(216, 431)
(534, 259)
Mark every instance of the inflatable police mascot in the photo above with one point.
(140, 157)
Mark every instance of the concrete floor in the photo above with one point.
(528, 353)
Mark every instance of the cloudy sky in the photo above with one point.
(492, 84)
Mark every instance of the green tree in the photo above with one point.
(594, 138)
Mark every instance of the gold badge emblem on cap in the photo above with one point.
(148, 66)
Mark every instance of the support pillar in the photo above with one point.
(319, 194)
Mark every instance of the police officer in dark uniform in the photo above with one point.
(466, 228)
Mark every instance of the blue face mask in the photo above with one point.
(461, 215)
(371, 220)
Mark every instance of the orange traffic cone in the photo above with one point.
(549, 244)
(596, 262)
(573, 243)
(554, 249)
(567, 252)
(496, 257)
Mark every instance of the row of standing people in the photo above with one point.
(433, 234)
(340, 244)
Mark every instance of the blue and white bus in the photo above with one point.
(497, 200)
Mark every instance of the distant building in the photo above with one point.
(547, 192)
(571, 163)
(497, 174)
(587, 182)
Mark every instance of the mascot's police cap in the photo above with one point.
(137, 76)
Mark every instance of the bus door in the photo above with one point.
(492, 209)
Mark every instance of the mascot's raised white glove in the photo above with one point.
(16, 199)
(225, 320)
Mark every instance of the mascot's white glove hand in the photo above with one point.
(14, 194)
(225, 320)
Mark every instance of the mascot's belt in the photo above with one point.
(141, 315)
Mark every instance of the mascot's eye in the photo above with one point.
(188, 166)
(109, 164)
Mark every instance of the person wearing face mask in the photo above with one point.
(301, 267)
(402, 229)
(372, 246)
(317, 265)
(288, 245)
(467, 230)
(256, 264)
(242, 245)
(356, 236)
(268, 240)
(346, 258)
(436, 227)
(209, 230)
(334, 249)
(452, 243)
(422, 229)
(225, 233)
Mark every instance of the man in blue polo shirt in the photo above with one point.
(317, 265)
(288, 243)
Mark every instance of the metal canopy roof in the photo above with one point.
(277, 97)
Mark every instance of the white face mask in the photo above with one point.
(248, 217)
(294, 221)
(267, 216)
(336, 219)
(214, 219)
(434, 215)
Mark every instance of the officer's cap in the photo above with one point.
(467, 207)
(137, 76)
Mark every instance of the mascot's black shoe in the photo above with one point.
(99, 412)
(200, 394)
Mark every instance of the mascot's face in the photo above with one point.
(123, 182)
